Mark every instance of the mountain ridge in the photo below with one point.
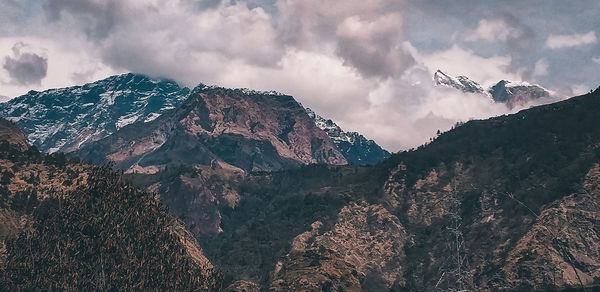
(357, 149)
(66, 119)
(512, 94)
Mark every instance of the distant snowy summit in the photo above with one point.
(462, 83)
(512, 94)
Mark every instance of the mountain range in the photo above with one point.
(67, 119)
(512, 94)
(266, 201)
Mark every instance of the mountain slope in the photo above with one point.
(67, 118)
(357, 149)
(247, 130)
(71, 226)
(508, 203)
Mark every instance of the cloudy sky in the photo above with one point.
(367, 65)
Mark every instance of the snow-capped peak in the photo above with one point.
(462, 83)
(64, 119)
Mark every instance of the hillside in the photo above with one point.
(509, 203)
(72, 226)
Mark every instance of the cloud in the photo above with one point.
(507, 34)
(541, 68)
(596, 60)
(95, 17)
(367, 35)
(579, 89)
(571, 40)
(25, 67)
(494, 30)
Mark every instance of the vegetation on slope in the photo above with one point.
(73, 226)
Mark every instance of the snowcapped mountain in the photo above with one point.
(65, 119)
(461, 82)
(357, 149)
(233, 128)
(512, 94)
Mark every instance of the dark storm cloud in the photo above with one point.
(25, 68)
(96, 18)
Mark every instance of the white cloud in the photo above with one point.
(494, 30)
(64, 60)
(579, 89)
(541, 68)
(571, 40)
(596, 60)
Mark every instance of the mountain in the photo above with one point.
(66, 119)
(512, 94)
(357, 149)
(512, 211)
(71, 226)
(234, 128)
(515, 94)
(462, 83)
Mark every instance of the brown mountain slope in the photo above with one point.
(247, 130)
(71, 226)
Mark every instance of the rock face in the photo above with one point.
(357, 149)
(362, 251)
(66, 119)
(512, 94)
(242, 129)
(72, 226)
